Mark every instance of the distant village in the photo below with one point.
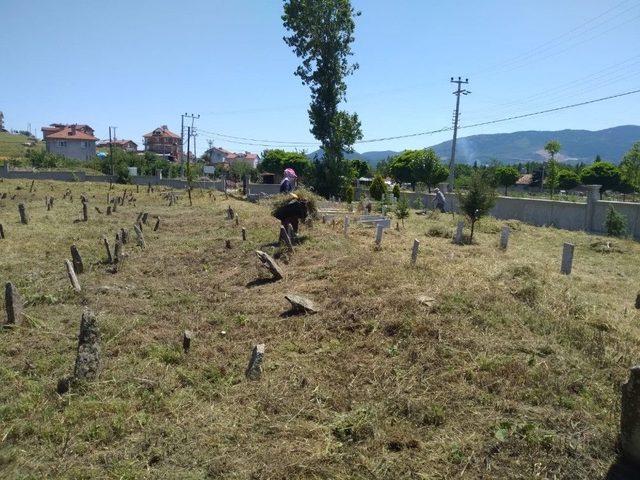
(78, 141)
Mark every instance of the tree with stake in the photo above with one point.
(477, 200)
(321, 34)
(402, 209)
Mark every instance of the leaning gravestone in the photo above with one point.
(139, 236)
(270, 264)
(157, 225)
(254, 369)
(300, 304)
(107, 247)
(78, 266)
(88, 357)
(630, 417)
(12, 304)
(72, 276)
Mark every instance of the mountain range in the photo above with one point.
(509, 148)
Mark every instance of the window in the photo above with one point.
(62, 143)
(83, 144)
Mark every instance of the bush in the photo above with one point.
(402, 209)
(615, 223)
(378, 188)
(349, 194)
(396, 191)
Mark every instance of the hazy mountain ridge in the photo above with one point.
(577, 146)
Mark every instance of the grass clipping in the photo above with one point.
(300, 204)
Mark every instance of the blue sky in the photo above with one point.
(140, 64)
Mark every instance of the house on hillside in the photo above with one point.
(163, 142)
(126, 145)
(217, 156)
(72, 141)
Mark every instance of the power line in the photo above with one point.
(272, 143)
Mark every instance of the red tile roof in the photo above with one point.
(68, 132)
(163, 131)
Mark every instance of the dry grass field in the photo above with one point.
(511, 371)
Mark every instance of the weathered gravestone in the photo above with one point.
(78, 266)
(1, 231)
(187, 335)
(139, 236)
(12, 304)
(157, 225)
(346, 226)
(567, 258)
(414, 251)
(24, 217)
(72, 276)
(254, 369)
(379, 231)
(504, 237)
(459, 233)
(88, 357)
(284, 238)
(244, 234)
(630, 417)
(270, 264)
(85, 211)
(300, 304)
(107, 247)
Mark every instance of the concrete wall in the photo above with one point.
(589, 216)
(73, 148)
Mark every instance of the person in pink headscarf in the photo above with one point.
(287, 183)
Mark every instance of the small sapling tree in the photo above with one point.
(615, 223)
(402, 209)
(477, 200)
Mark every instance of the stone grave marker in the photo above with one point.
(414, 251)
(139, 236)
(504, 237)
(12, 304)
(567, 258)
(346, 226)
(459, 233)
(78, 266)
(300, 304)
(187, 335)
(630, 417)
(88, 357)
(379, 231)
(24, 217)
(244, 234)
(270, 264)
(72, 276)
(107, 247)
(254, 369)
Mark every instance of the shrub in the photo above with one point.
(378, 188)
(349, 194)
(615, 223)
(396, 191)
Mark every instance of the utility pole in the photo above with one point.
(111, 148)
(452, 163)
(192, 117)
(188, 144)
(195, 155)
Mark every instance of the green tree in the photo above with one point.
(428, 168)
(378, 188)
(552, 147)
(402, 209)
(477, 200)
(321, 34)
(506, 177)
(361, 167)
(601, 173)
(276, 160)
(400, 167)
(630, 167)
(238, 170)
(615, 223)
(396, 191)
(568, 179)
(349, 193)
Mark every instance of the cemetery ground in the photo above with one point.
(474, 363)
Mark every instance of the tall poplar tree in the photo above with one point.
(321, 34)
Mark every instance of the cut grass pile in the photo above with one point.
(513, 371)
